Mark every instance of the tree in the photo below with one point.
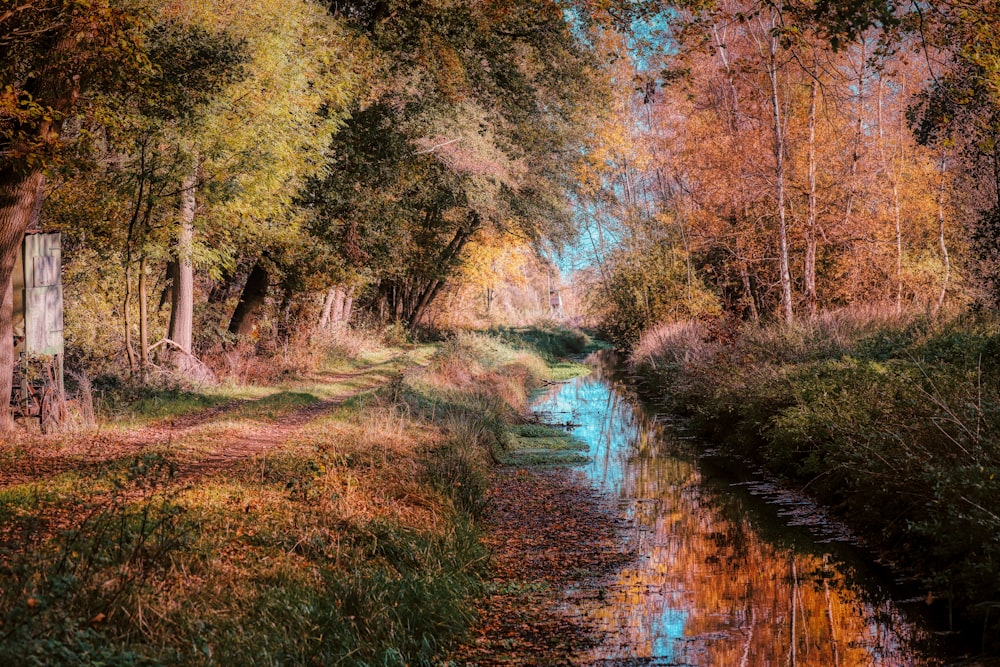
(479, 111)
(54, 53)
(214, 146)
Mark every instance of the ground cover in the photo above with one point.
(333, 519)
(540, 444)
(547, 533)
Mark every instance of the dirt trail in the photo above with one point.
(42, 457)
(266, 437)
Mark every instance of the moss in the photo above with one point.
(541, 444)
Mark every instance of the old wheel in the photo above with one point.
(51, 412)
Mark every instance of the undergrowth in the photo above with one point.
(355, 544)
(893, 420)
(552, 341)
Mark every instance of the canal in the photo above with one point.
(729, 569)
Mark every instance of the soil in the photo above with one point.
(553, 542)
(45, 457)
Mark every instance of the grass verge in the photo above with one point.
(556, 344)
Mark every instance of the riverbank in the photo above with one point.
(311, 524)
(891, 421)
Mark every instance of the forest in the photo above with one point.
(784, 214)
(238, 175)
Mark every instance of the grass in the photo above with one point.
(126, 404)
(894, 420)
(354, 543)
(555, 344)
(543, 445)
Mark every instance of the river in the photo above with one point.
(729, 569)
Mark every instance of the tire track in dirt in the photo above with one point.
(89, 452)
(49, 519)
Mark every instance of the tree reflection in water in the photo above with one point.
(712, 584)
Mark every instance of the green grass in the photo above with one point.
(543, 445)
(144, 406)
(553, 342)
(126, 405)
(555, 345)
(560, 371)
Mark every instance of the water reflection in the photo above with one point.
(715, 584)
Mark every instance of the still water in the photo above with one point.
(730, 570)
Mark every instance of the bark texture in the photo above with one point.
(336, 308)
(19, 194)
(182, 303)
(809, 271)
(143, 314)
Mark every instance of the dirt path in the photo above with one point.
(548, 533)
(267, 437)
(40, 458)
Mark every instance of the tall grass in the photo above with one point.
(892, 419)
(304, 352)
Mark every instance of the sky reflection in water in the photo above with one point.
(717, 581)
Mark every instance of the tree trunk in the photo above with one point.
(446, 262)
(251, 301)
(779, 172)
(19, 194)
(734, 108)
(345, 315)
(167, 293)
(859, 128)
(887, 169)
(748, 290)
(769, 49)
(327, 312)
(810, 231)
(182, 304)
(337, 316)
(945, 259)
(335, 309)
(127, 320)
(143, 316)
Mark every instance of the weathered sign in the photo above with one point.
(38, 298)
